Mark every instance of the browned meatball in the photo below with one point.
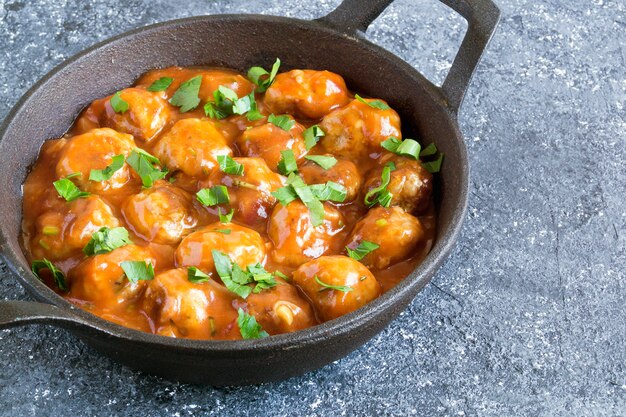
(410, 184)
(191, 310)
(266, 141)
(146, 116)
(250, 193)
(161, 214)
(192, 146)
(296, 240)
(281, 309)
(358, 129)
(343, 172)
(101, 280)
(66, 229)
(394, 230)
(95, 150)
(359, 285)
(244, 246)
(306, 94)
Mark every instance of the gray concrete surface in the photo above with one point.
(527, 316)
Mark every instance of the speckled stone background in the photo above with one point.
(527, 316)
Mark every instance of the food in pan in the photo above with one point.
(201, 203)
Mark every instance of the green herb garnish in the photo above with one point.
(381, 195)
(67, 189)
(287, 163)
(364, 248)
(312, 135)
(255, 74)
(324, 161)
(196, 276)
(213, 196)
(117, 162)
(57, 274)
(406, 147)
(331, 191)
(432, 166)
(118, 104)
(377, 104)
(236, 279)
(229, 165)
(144, 165)
(225, 218)
(161, 84)
(186, 97)
(284, 122)
(105, 240)
(248, 326)
(342, 288)
(138, 270)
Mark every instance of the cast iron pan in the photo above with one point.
(334, 42)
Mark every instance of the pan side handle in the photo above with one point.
(19, 313)
(482, 16)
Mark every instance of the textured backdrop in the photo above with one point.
(527, 315)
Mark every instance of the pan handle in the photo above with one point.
(18, 313)
(482, 17)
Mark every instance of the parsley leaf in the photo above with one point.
(67, 189)
(186, 97)
(213, 196)
(284, 122)
(118, 104)
(324, 161)
(211, 110)
(325, 286)
(407, 147)
(117, 162)
(248, 326)
(196, 276)
(376, 104)
(143, 164)
(229, 165)
(380, 194)
(225, 218)
(105, 240)
(161, 84)
(331, 191)
(364, 248)
(223, 231)
(57, 274)
(287, 163)
(237, 280)
(312, 135)
(138, 270)
(255, 74)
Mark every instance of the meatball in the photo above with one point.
(192, 146)
(95, 150)
(343, 172)
(66, 229)
(281, 309)
(410, 184)
(296, 240)
(395, 231)
(191, 310)
(160, 214)
(358, 129)
(100, 279)
(250, 193)
(306, 94)
(243, 245)
(146, 116)
(266, 141)
(211, 80)
(336, 271)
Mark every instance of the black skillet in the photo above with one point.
(334, 42)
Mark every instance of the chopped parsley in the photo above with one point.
(118, 104)
(137, 270)
(213, 196)
(222, 231)
(67, 189)
(144, 165)
(229, 166)
(161, 84)
(248, 326)
(105, 240)
(312, 135)
(117, 162)
(407, 147)
(287, 163)
(376, 104)
(284, 122)
(196, 276)
(255, 74)
(225, 218)
(324, 161)
(186, 97)
(381, 195)
(226, 103)
(57, 274)
(236, 279)
(325, 286)
(362, 250)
